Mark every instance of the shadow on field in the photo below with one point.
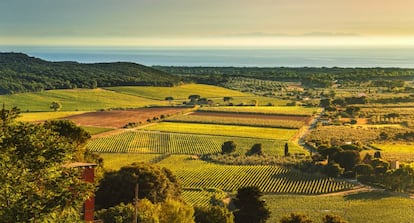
(375, 195)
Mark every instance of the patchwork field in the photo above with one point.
(119, 118)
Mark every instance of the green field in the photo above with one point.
(76, 100)
(224, 130)
(202, 197)
(396, 151)
(180, 92)
(275, 110)
(114, 161)
(96, 130)
(368, 207)
(42, 116)
(194, 173)
(179, 143)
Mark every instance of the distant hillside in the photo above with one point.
(21, 73)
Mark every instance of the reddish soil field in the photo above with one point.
(257, 116)
(119, 118)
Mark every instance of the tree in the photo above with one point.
(227, 99)
(255, 150)
(333, 219)
(286, 149)
(56, 106)
(169, 99)
(347, 159)
(35, 184)
(173, 211)
(214, 214)
(250, 207)
(364, 169)
(228, 147)
(333, 170)
(296, 218)
(155, 183)
(118, 214)
(193, 98)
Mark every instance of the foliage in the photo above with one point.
(173, 211)
(56, 106)
(255, 150)
(250, 206)
(296, 218)
(347, 159)
(22, 73)
(35, 184)
(118, 214)
(333, 170)
(228, 147)
(155, 183)
(216, 214)
(333, 219)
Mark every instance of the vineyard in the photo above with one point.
(114, 161)
(201, 197)
(254, 85)
(199, 174)
(178, 143)
(230, 119)
(266, 110)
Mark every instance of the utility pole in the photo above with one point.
(135, 218)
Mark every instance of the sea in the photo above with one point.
(245, 57)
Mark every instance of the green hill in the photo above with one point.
(22, 73)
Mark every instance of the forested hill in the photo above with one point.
(21, 73)
(310, 76)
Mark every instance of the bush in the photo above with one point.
(228, 147)
(255, 150)
(333, 170)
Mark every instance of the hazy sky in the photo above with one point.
(206, 22)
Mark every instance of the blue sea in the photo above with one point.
(325, 57)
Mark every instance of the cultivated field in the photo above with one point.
(224, 130)
(119, 118)
(274, 110)
(276, 121)
(397, 151)
(43, 116)
(114, 161)
(181, 143)
(200, 174)
(367, 207)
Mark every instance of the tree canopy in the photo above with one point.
(36, 185)
(250, 207)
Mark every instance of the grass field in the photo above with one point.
(397, 151)
(179, 143)
(42, 116)
(114, 161)
(180, 92)
(76, 100)
(96, 130)
(368, 207)
(275, 110)
(224, 130)
(200, 174)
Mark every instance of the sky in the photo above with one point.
(230, 23)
